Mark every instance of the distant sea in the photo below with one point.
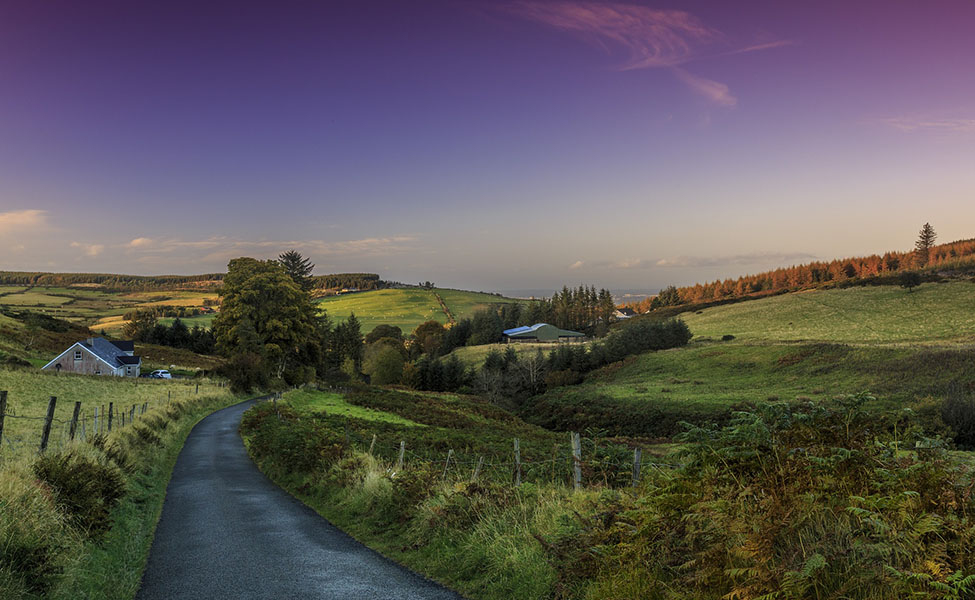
(620, 296)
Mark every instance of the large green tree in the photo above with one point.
(298, 268)
(264, 314)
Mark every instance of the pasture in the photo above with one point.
(99, 309)
(651, 393)
(29, 391)
(405, 307)
(933, 312)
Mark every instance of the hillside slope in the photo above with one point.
(904, 347)
(406, 307)
(933, 312)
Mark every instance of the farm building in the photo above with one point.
(98, 356)
(542, 332)
(624, 313)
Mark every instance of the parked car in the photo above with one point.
(160, 374)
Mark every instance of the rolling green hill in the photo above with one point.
(904, 347)
(406, 307)
(933, 312)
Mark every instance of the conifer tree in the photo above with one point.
(922, 247)
(298, 268)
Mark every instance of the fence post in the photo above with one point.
(402, 453)
(46, 433)
(132, 415)
(477, 469)
(169, 396)
(372, 444)
(122, 414)
(3, 412)
(111, 414)
(576, 461)
(94, 423)
(450, 454)
(74, 421)
(198, 388)
(637, 459)
(517, 464)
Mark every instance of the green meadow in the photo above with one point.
(933, 312)
(29, 390)
(905, 348)
(405, 307)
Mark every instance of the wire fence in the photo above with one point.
(581, 461)
(25, 434)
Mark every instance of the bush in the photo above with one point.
(34, 547)
(86, 487)
(727, 337)
(958, 413)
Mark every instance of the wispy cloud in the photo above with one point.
(738, 259)
(141, 242)
(90, 250)
(715, 91)
(936, 124)
(19, 220)
(645, 37)
(577, 265)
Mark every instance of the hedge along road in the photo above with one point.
(227, 531)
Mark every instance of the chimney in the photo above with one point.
(90, 341)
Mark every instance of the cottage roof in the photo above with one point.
(107, 351)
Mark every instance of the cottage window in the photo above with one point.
(77, 354)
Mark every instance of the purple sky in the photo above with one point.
(482, 144)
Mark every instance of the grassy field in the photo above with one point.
(405, 307)
(473, 356)
(29, 391)
(903, 347)
(98, 309)
(933, 312)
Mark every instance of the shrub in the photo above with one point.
(560, 378)
(958, 413)
(34, 546)
(727, 337)
(86, 487)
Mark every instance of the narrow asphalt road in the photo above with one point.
(227, 531)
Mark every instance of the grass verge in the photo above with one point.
(47, 554)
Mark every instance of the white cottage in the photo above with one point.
(98, 356)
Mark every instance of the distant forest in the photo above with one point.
(150, 283)
(865, 270)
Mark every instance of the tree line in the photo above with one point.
(208, 281)
(926, 255)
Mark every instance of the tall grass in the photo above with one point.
(786, 502)
(78, 521)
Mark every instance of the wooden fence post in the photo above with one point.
(46, 433)
(74, 421)
(402, 454)
(132, 415)
(169, 396)
(3, 412)
(637, 460)
(94, 423)
(372, 444)
(477, 469)
(198, 388)
(111, 411)
(122, 414)
(517, 464)
(450, 454)
(576, 461)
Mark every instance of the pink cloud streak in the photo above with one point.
(648, 37)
